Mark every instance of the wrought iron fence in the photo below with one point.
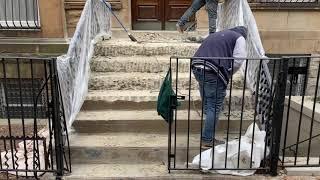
(33, 138)
(262, 102)
(285, 4)
(19, 14)
(285, 1)
(300, 124)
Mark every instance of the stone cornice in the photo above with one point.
(78, 4)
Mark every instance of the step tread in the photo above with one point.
(103, 171)
(136, 75)
(143, 172)
(147, 75)
(146, 95)
(151, 115)
(137, 58)
(126, 42)
(136, 140)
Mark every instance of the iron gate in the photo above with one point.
(266, 108)
(33, 137)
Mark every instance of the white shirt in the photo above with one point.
(239, 51)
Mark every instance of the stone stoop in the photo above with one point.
(118, 133)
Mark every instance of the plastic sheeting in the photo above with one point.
(74, 67)
(233, 13)
(220, 157)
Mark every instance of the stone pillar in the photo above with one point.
(313, 73)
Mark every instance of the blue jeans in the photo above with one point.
(213, 92)
(211, 5)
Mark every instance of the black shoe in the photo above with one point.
(207, 145)
(197, 39)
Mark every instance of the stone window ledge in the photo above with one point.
(79, 4)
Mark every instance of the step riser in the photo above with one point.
(114, 50)
(145, 67)
(97, 83)
(111, 155)
(153, 126)
(136, 104)
(103, 83)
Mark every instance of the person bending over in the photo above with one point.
(213, 74)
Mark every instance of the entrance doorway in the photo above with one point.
(158, 14)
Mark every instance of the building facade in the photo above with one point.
(285, 28)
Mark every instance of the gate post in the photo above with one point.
(278, 108)
(56, 120)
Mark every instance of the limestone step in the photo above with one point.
(135, 81)
(149, 121)
(144, 99)
(133, 148)
(143, 81)
(125, 47)
(156, 171)
(150, 64)
(157, 36)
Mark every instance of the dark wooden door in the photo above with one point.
(157, 14)
(147, 14)
(174, 9)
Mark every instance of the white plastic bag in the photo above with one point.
(233, 154)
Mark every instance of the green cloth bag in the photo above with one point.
(165, 98)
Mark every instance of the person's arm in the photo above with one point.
(240, 51)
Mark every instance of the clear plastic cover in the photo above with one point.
(233, 13)
(74, 67)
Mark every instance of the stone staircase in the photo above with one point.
(118, 133)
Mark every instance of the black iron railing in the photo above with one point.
(285, 4)
(266, 101)
(285, 1)
(300, 132)
(34, 137)
(19, 14)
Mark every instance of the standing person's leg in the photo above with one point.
(212, 97)
(212, 7)
(215, 92)
(195, 6)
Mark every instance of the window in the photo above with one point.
(19, 14)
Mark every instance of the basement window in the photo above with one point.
(17, 100)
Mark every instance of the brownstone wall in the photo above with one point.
(74, 8)
(51, 19)
(283, 31)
